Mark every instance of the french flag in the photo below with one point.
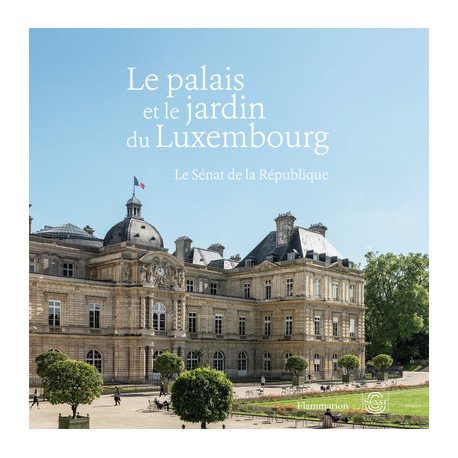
(138, 183)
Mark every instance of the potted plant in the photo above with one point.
(202, 395)
(382, 362)
(168, 364)
(74, 383)
(297, 364)
(349, 363)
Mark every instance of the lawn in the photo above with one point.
(402, 402)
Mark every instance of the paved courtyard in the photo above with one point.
(133, 413)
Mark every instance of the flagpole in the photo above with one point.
(133, 194)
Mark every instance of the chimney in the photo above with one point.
(88, 229)
(217, 247)
(285, 226)
(183, 245)
(318, 228)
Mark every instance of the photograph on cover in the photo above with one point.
(228, 229)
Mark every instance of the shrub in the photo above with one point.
(72, 382)
(297, 364)
(202, 395)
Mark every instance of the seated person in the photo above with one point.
(335, 418)
(162, 404)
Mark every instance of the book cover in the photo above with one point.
(218, 195)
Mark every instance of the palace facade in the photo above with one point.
(118, 302)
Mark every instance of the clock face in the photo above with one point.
(160, 271)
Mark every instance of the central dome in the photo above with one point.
(133, 228)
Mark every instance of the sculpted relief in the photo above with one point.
(162, 273)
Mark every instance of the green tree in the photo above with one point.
(296, 364)
(382, 362)
(44, 360)
(397, 297)
(168, 364)
(202, 395)
(72, 382)
(349, 362)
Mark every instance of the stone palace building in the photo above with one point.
(117, 303)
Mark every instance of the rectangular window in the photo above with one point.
(94, 315)
(352, 327)
(288, 325)
(192, 322)
(190, 285)
(67, 269)
(242, 325)
(31, 265)
(291, 255)
(335, 290)
(213, 288)
(352, 293)
(268, 289)
(218, 324)
(335, 326)
(317, 325)
(54, 313)
(267, 325)
(246, 290)
(317, 288)
(316, 364)
(289, 287)
(248, 262)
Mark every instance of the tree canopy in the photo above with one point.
(168, 364)
(44, 360)
(202, 395)
(397, 297)
(72, 382)
(382, 361)
(297, 364)
(349, 362)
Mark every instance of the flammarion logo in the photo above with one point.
(376, 402)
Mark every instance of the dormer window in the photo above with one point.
(248, 263)
(270, 258)
(291, 255)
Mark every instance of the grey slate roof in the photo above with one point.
(134, 229)
(69, 232)
(301, 240)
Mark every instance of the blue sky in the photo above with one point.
(367, 87)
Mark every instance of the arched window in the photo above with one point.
(316, 362)
(218, 361)
(155, 355)
(159, 317)
(266, 361)
(286, 359)
(335, 360)
(95, 359)
(242, 361)
(191, 360)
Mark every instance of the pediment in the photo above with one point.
(338, 267)
(265, 265)
(159, 259)
(161, 270)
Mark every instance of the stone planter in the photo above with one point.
(73, 423)
(297, 381)
(347, 378)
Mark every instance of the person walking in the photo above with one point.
(35, 399)
(117, 397)
(263, 382)
(162, 392)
